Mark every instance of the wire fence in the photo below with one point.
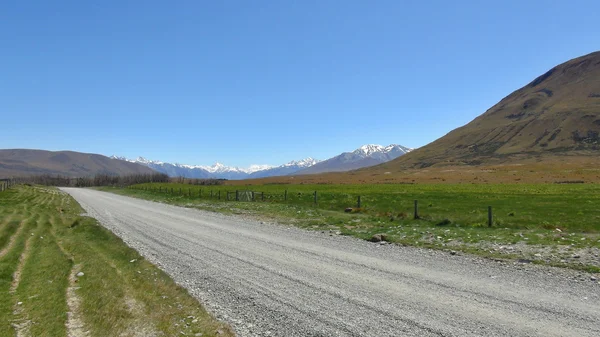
(337, 201)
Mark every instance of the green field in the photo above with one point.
(574, 207)
(559, 220)
(45, 243)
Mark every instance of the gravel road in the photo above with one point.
(272, 280)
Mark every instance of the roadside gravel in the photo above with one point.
(273, 280)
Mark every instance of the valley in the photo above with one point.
(220, 169)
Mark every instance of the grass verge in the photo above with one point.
(116, 293)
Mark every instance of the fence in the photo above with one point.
(346, 202)
(6, 184)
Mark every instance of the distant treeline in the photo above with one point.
(112, 180)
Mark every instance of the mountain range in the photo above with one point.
(364, 156)
(218, 170)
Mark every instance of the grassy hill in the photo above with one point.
(557, 114)
(22, 162)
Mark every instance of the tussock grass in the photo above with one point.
(119, 293)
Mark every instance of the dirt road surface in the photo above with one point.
(272, 280)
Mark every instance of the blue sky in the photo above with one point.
(266, 82)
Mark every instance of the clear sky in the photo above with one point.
(266, 82)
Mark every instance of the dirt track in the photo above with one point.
(271, 280)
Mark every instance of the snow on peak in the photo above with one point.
(139, 160)
(369, 149)
(119, 158)
(215, 168)
(306, 162)
(220, 168)
(255, 168)
(398, 148)
(142, 160)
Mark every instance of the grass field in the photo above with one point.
(44, 246)
(560, 222)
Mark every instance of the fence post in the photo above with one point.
(315, 197)
(490, 216)
(200, 193)
(189, 192)
(171, 190)
(358, 202)
(285, 196)
(252, 195)
(262, 196)
(211, 193)
(237, 195)
(219, 194)
(416, 210)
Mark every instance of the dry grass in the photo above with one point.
(527, 171)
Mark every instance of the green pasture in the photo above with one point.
(567, 207)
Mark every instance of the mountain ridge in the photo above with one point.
(26, 162)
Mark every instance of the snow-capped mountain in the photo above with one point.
(285, 169)
(172, 170)
(364, 156)
(218, 170)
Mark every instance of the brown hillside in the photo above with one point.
(558, 114)
(20, 162)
